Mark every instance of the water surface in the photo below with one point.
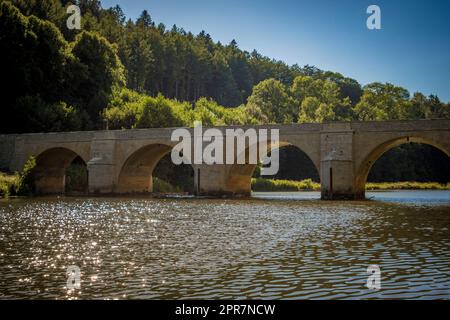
(277, 245)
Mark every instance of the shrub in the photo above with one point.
(407, 186)
(76, 178)
(158, 113)
(26, 178)
(8, 184)
(162, 186)
(261, 184)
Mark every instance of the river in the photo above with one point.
(273, 246)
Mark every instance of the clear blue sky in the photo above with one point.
(411, 50)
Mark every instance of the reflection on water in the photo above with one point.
(258, 248)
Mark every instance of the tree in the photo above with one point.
(158, 113)
(100, 71)
(312, 110)
(271, 98)
(117, 12)
(34, 59)
(49, 57)
(436, 109)
(16, 43)
(417, 108)
(325, 113)
(50, 10)
(49, 76)
(348, 87)
(27, 185)
(382, 102)
(38, 115)
(305, 86)
(138, 59)
(111, 25)
(327, 97)
(308, 108)
(203, 112)
(92, 7)
(222, 87)
(238, 62)
(145, 20)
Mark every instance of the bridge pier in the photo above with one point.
(101, 167)
(337, 180)
(337, 166)
(221, 180)
(101, 177)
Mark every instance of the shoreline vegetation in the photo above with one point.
(13, 185)
(261, 184)
(407, 185)
(18, 183)
(8, 184)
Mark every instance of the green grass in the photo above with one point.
(407, 186)
(9, 184)
(161, 186)
(261, 184)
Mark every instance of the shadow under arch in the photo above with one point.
(240, 175)
(77, 176)
(50, 170)
(136, 174)
(363, 171)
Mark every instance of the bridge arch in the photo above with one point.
(50, 170)
(240, 175)
(136, 173)
(362, 172)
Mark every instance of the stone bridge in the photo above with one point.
(122, 161)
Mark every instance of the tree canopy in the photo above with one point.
(60, 79)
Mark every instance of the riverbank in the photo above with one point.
(407, 186)
(18, 184)
(9, 184)
(261, 184)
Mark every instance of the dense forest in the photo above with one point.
(116, 73)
